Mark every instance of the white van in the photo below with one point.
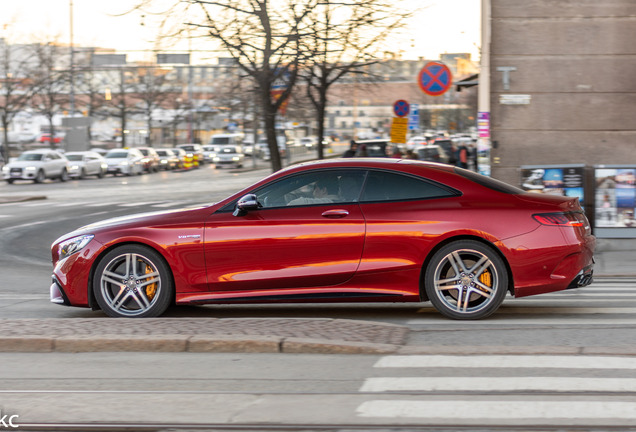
(226, 139)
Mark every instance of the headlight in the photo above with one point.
(70, 246)
(30, 168)
(236, 158)
(216, 159)
(124, 163)
(75, 167)
(5, 169)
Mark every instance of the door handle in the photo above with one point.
(335, 213)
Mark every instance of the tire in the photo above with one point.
(466, 280)
(101, 174)
(39, 177)
(133, 281)
(10, 181)
(64, 176)
(82, 174)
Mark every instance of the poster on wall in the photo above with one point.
(555, 180)
(615, 197)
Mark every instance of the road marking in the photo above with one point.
(498, 384)
(507, 361)
(139, 204)
(515, 320)
(496, 410)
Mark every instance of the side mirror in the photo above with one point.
(246, 203)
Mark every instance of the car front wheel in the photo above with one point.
(133, 281)
(466, 280)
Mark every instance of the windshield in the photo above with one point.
(30, 157)
(220, 140)
(228, 150)
(74, 157)
(117, 155)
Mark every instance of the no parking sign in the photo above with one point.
(435, 78)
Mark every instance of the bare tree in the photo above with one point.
(16, 84)
(151, 91)
(346, 36)
(264, 38)
(52, 83)
(120, 102)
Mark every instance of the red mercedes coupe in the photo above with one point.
(345, 230)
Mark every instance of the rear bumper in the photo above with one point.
(584, 278)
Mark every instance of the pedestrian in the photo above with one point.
(397, 153)
(351, 152)
(410, 154)
(462, 156)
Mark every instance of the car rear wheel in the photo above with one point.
(133, 281)
(466, 279)
(64, 176)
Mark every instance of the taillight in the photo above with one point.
(560, 219)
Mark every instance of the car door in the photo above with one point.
(303, 245)
(402, 213)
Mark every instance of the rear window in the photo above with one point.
(489, 182)
(389, 186)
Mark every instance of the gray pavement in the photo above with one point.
(614, 257)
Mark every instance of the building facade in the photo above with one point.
(561, 83)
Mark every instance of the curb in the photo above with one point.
(195, 344)
(227, 335)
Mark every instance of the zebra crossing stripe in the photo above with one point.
(493, 411)
(498, 384)
(507, 361)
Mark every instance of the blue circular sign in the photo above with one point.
(401, 108)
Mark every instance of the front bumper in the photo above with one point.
(57, 294)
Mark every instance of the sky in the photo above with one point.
(442, 26)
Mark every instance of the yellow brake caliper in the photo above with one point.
(151, 289)
(486, 279)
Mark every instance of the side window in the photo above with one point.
(387, 186)
(313, 188)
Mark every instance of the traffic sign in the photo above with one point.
(398, 130)
(435, 78)
(414, 117)
(401, 108)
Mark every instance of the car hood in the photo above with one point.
(149, 219)
(24, 164)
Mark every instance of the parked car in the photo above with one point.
(415, 142)
(391, 230)
(371, 148)
(168, 159)
(263, 148)
(150, 160)
(432, 153)
(229, 156)
(181, 155)
(311, 142)
(210, 151)
(195, 151)
(449, 149)
(86, 163)
(124, 161)
(37, 165)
